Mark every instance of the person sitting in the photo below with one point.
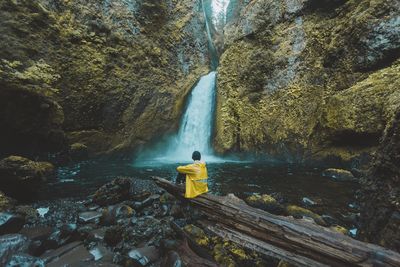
(196, 176)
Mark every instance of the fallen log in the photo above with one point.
(296, 241)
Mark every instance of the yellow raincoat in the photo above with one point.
(196, 175)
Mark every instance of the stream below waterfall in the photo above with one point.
(292, 183)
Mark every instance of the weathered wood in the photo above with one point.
(296, 241)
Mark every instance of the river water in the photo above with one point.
(292, 183)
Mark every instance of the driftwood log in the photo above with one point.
(296, 241)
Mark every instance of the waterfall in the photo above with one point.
(195, 130)
(196, 125)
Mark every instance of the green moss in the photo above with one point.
(5, 202)
(339, 229)
(299, 212)
(198, 234)
(294, 85)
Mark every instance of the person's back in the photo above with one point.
(196, 175)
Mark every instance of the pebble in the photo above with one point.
(42, 211)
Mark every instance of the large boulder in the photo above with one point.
(19, 175)
(20, 169)
(113, 192)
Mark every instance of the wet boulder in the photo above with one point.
(299, 212)
(265, 202)
(25, 260)
(338, 175)
(10, 223)
(19, 176)
(12, 244)
(113, 192)
(15, 168)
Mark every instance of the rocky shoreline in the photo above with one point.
(128, 222)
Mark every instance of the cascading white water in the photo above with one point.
(196, 126)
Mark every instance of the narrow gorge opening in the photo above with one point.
(196, 125)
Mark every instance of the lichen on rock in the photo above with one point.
(308, 80)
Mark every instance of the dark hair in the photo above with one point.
(196, 155)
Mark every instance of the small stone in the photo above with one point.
(100, 252)
(353, 232)
(172, 260)
(42, 211)
(308, 202)
(145, 255)
(338, 174)
(98, 234)
(90, 217)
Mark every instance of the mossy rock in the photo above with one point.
(6, 202)
(21, 169)
(265, 202)
(283, 263)
(339, 229)
(299, 212)
(167, 198)
(198, 235)
(222, 256)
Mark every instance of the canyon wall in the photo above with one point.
(307, 79)
(109, 74)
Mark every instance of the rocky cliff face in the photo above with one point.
(109, 74)
(308, 79)
(380, 193)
